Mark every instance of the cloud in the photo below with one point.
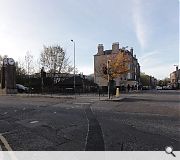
(139, 23)
(149, 54)
(86, 69)
(150, 60)
(162, 71)
(151, 63)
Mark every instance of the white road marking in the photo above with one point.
(81, 103)
(87, 130)
(94, 99)
(1, 153)
(7, 146)
(3, 140)
(34, 122)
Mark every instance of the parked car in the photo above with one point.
(167, 87)
(22, 89)
(159, 87)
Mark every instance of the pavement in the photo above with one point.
(135, 121)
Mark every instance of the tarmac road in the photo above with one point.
(144, 122)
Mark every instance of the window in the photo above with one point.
(129, 76)
(129, 66)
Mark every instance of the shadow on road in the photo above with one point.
(145, 100)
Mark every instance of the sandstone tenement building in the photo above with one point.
(131, 78)
(175, 78)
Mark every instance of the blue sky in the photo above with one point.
(151, 27)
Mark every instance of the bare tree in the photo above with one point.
(29, 67)
(20, 68)
(55, 60)
(29, 63)
(1, 61)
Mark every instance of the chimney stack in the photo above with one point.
(115, 47)
(176, 68)
(131, 50)
(100, 49)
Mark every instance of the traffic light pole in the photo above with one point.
(42, 79)
(108, 79)
(108, 88)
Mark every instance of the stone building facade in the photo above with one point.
(175, 78)
(131, 78)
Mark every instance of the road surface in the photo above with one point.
(135, 122)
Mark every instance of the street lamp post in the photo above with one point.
(74, 69)
(42, 80)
